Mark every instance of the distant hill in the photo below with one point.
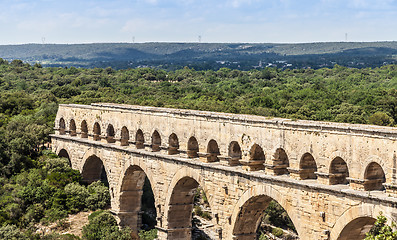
(205, 55)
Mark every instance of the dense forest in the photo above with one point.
(340, 94)
(206, 56)
(38, 187)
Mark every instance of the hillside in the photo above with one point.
(204, 56)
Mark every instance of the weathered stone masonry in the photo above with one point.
(332, 179)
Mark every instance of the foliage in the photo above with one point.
(263, 237)
(148, 235)
(381, 230)
(278, 232)
(103, 226)
(34, 196)
(277, 216)
(99, 196)
(37, 186)
(381, 118)
(11, 232)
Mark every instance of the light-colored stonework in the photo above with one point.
(318, 171)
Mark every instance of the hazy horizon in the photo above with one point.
(222, 21)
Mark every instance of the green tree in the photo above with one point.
(381, 119)
(381, 230)
(103, 226)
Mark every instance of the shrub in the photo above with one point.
(263, 237)
(381, 230)
(34, 213)
(103, 226)
(76, 197)
(99, 196)
(278, 232)
(11, 232)
(148, 235)
(381, 118)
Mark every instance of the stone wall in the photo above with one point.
(276, 155)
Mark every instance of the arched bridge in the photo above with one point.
(332, 179)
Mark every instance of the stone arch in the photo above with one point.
(131, 192)
(355, 221)
(192, 148)
(256, 153)
(62, 126)
(256, 158)
(280, 162)
(124, 136)
(307, 167)
(179, 202)
(173, 144)
(235, 154)
(338, 171)
(234, 150)
(64, 153)
(97, 131)
(139, 139)
(94, 170)
(110, 134)
(250, 207)
(156, 141)
(374, 177)
(357, 228)
(378, 160)
(72, 127)
(84, 129)
(212, 151)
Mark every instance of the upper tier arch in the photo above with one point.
(208, 135)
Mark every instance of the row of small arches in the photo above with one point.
(374, 176)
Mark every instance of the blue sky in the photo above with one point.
(276, 21)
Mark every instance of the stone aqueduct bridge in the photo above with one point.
(332, 179)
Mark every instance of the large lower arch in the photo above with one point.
(63, 153)
(357, 228)
(132, 190)
(355, 222)
(94, 170)
(249, 210)
(179, 203)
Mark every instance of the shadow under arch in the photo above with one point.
(280, 162)
(97, 132)
(250, 208)
(357, 228)
(94, 170)
(84, 129)
(173, 144)
(307, 167)
(356, 220)
(192, 147)
(179, 203)
(110, 133)
(374, 177)
(64, 154)
(62, 126)
(72, 128)
(338, 171)
(137, 200)
(124, 136)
